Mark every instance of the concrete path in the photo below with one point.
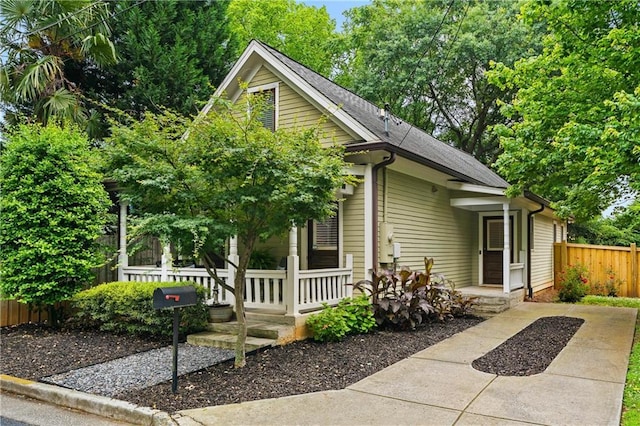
(438, 386)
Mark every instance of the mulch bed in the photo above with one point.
(33, 352)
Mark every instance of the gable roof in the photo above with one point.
(403, 138)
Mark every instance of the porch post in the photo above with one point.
(349, 265)
(123, 258)
(234, 259)
(292, 292)
(293, 241)
(506, 251)
(164, 268)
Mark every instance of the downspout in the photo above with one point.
(374, 215)
(529, 216)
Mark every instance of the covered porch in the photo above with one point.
(501, 224)
(289, 291)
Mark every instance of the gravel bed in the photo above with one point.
(140, 370)
(531, 350)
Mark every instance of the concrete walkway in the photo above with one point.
(438, 386)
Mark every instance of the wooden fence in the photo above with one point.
(602, 262)
(14, 313)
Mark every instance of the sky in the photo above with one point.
(336, 7)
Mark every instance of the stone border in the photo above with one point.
(93, 404)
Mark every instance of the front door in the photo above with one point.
(323, 243)
(492, 248)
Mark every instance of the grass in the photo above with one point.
(631, 400)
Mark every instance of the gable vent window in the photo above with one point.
(270, 114)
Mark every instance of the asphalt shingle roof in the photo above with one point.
(403, 138)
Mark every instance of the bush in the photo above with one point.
(406, 299)
(127, 307)
(54, 207)
(349, 316)
(573, 284)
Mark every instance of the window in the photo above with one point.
(495, 234)
(270, 114)
(325, 235)
(555, 232)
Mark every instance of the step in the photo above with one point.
(279, 332)
(227, 341)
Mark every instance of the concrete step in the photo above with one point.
(227, 341)
(279, 332)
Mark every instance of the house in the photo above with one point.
(417, 197)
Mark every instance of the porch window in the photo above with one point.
(495, 235)
(270, 114)
(325, 235)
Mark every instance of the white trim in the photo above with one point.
(477, 201)
(305, 89)
(461, 186)
(340, 234)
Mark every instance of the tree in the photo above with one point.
(54, 207)
(43, 43)
(170, 54)
(427, 61)
(305, 33)
(227, 176)
(576, 138)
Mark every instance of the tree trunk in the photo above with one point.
(240, 360)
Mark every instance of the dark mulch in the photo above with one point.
(531, 350)
(32, 351)
(301, 367)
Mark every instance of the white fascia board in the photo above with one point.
(470, 187)
(478, 201)
(304, 89)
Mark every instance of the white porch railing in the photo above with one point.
(290, 291)
(516, 278)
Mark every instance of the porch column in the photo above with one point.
(293, 241)
(292, 291)
(233, 260)
(164, 263)
(506, 251)
(123, 258)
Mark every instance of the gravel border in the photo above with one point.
(140, 370)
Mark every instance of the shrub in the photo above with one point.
(609, 288)
(329, 325)
(573, 284)
(358, 313)
(127, 307)
(54, 207)
(349, 316)
(406, 299)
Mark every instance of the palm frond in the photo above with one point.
(99, 48)
(37, 77)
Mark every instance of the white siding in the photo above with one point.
(542, 254)
(426, 225)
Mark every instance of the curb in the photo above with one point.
(89, 403)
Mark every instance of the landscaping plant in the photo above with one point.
(406, 299)
(54, 207)
(127, 307)
(349, 316)
(573, 284)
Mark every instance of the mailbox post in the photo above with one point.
(174, 298)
